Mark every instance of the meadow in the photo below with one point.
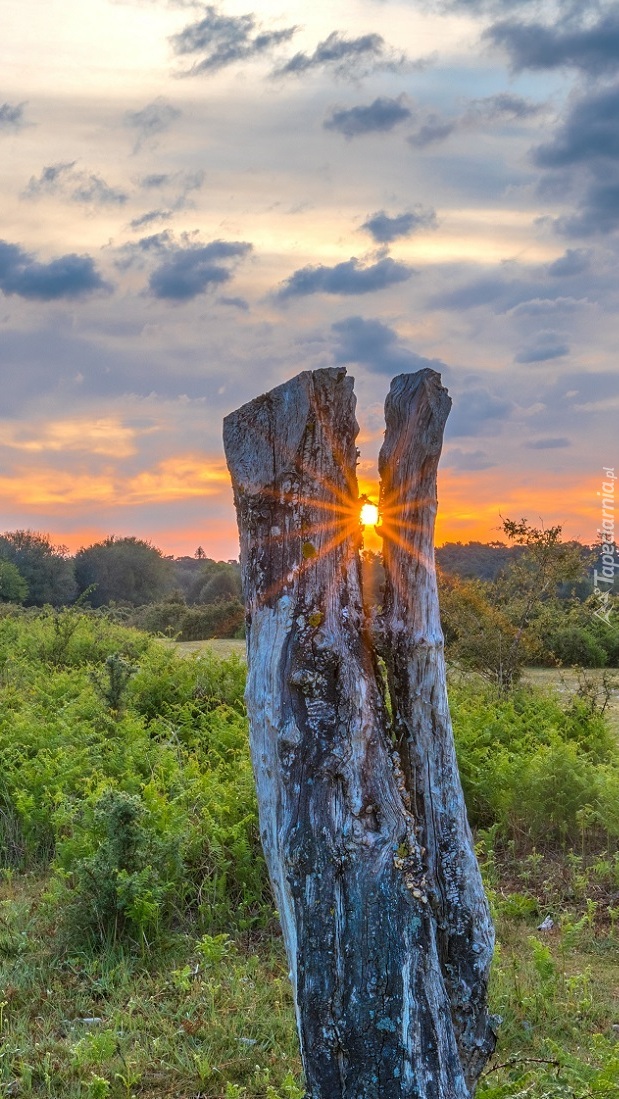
(139, 950)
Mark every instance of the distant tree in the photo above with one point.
(47, 569)
(200, 554)
(479, 636)
(475, 559)
(123, 570)
(13, 587)
(215, 581)
(495, 627)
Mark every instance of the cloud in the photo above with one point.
(434, 129)
(67, 277)
(226, 39)
(375, 345)
(502, 106)
(349, 277)
(476, 410)
(490, 111)
(548, 444)
(152, 120)
(346, 55)
(536, 307)
(12, 117)
(192, 269)
(377, 117)
(73, 185)
(467, 459)
(176, 187)
(574, 261)
(591, 47)
(545, 346)
(384, 228)
(148, 218)
(482, 291)
(235, 303)
(590, 131)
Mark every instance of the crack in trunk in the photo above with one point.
(379, 979)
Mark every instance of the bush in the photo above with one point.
(532, 769)
(141, 801)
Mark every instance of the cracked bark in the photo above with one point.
(379, 990)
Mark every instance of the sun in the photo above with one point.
(369, 515)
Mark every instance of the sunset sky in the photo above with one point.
(200, 201)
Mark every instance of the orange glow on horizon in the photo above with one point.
(173, 479)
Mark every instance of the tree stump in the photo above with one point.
(362, 819)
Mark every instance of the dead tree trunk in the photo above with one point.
(378, 985)
(415, 412)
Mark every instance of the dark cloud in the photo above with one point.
(176, 187)
(66, 181)
(477, 411)
(384, 227)
(598, 209)
(12, 117)
(544, 346)
(377, 346)
(192, 269)
(482, 291)
(235, 303)
(492, 110)
(156, 180)
(349, 277)
(590, 131)
(345, 55)
(480, 7)
(591, 47)
(226, 39)
(435, 128)
(151, 121)
(151, 216)
(579, 387)
(573, 262)
(501, 107)
(540, 307)
(69, 276)
(548, 444)
(584, 158)
(377, 117)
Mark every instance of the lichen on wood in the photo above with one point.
(366, 862)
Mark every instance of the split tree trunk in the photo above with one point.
(415, 412)
(367, 858)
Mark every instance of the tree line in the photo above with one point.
(528, 599)
(183, 596)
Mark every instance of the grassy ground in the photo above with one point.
(220, 646)
(198, 1016)
(562, 680)
(565, 681)
(212, 1018)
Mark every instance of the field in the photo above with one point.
(139, 951)
(563, 681)
(220, 646)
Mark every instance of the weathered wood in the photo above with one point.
(415, 412)
(340, 835)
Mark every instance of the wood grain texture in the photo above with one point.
(341, 838)
(415, 412)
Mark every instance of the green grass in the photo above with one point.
(564, 681)
(213, 1017)
(139, 956)
(222, 647)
